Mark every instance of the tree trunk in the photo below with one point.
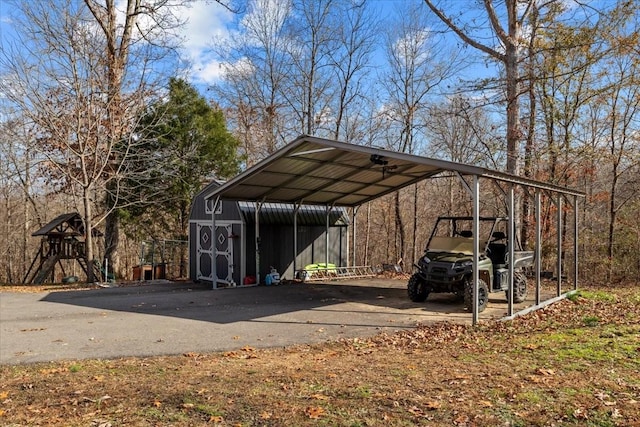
(612, 222)
(27, 217)
(111, 242)
(367, 236)
(414, 254)
(88, 226)
(400, 229)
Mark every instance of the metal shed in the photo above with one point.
(318, 171)
(235, 238)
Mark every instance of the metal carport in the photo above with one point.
(318, 171)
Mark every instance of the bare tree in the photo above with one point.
(80, 78)
(313, 32)
(296, 67)
(622, 106)
(130, 42)
(505, 46)
(416, 68)
(257, 67)
(350, 63)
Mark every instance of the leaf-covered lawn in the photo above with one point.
(576, 362)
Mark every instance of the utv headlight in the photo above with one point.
(467, 263)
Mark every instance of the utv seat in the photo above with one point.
(497, 250)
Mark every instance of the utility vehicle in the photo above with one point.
(447, 264)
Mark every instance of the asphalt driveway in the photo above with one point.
(175, 318)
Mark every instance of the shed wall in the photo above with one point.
(276, 248)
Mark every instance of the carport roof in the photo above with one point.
(317, 171)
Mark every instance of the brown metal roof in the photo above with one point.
(62, 224)
(68, 224)
(312, 170)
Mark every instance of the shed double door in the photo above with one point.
(222, 243)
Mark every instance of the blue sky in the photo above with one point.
(206, 20)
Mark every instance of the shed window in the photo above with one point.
(209, 207)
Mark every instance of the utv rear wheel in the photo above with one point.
(417, 289)
(519, 288)
(483, 295)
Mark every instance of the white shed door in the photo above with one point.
(222, 242)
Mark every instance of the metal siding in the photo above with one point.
(198, 208)
(276, 248)
(282, 214)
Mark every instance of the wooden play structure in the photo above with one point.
(63, 238)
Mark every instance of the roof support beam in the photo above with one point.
(559, 245)
(575, 243)
(354, 213)
(214, 246)
(295, 238)
(538, 242)
(258, 243)
(510, 242)
(475, 196)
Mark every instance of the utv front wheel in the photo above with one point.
(417, 289)
(519, 288)
(483, 295)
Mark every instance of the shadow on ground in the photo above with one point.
(198, 302)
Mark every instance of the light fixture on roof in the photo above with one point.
(377, 159)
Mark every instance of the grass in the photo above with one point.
(553, 367)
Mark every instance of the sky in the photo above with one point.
(206, 20)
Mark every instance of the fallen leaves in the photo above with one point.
(314, 412)
(191, 354)
(433, 405)
(319, 396)
(266, 415)
(546, 372)
(492, 374)
(245, 352)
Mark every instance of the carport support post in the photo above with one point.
(575, 242)
(511, 240)
(475, 195)
(326, 240)
(559, 246)
(354, 212)
(538, 251)
(295, 238)
(257, 228)
(214, 246)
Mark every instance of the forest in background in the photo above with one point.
(94, 119)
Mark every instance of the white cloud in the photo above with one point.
(207, 71)
(206, 21)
